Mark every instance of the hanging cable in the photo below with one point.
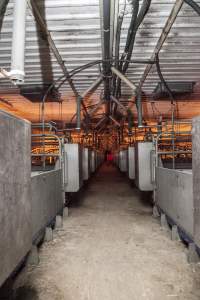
(194, 5)
(117, 43)
(142, 13)
(163, 80)
(136, 20)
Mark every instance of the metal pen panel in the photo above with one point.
(131, 162)
(123, 160)
(73, 167)
(174, 195)
(143, 166)
(46, 199)
(15, 202)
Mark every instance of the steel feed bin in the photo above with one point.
(93, 161)
(123, 160)
(15, 201)
(86, 163)
(73, 167)
(143, 178)
(131, 162)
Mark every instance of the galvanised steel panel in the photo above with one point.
(123, 160)
(86, 163)
(15, 202)
(174, 195)
(131, 162)
(93, 161)
(196, 177)
(143, 166)
(46, 198)
(73, 167)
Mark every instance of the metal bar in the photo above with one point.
(118, 103)
(95, 108)
(174, 152)
(114, 121)
(158, 138)
(101, 121)
(45, 154)
(124, 78)
(40, 125)
(51, 43)
(18, 42)
(168, 25)
(93, 87)
(51, 136)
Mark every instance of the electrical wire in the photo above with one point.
(117, 44)
(162, 78)
(194, 5)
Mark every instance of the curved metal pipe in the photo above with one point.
(194, 5)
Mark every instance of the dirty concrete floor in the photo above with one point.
(110, 248)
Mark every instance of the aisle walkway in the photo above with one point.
(111, 249)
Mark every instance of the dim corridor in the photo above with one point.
(110, 248)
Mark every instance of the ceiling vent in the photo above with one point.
(35, 93)
(176, 87)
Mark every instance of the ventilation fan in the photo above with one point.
(176, 87)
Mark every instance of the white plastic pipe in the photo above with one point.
(18, 42)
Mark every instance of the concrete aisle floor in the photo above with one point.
(110, 248)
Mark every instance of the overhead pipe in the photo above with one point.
(194, 5)
(139, 107)
(119, 103)
(92, 87)
(101, 102)
(78, 113)
(106, 9)
(101, 121)
(165, 32)
(135, 90)
(18, 42)
(124, 78)
(114, 121)
(3, 5)
(136, 23)
(47, 125)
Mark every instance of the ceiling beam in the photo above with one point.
(168, 25)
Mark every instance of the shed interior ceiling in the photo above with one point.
(75, 27)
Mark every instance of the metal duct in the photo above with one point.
(18, 42)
